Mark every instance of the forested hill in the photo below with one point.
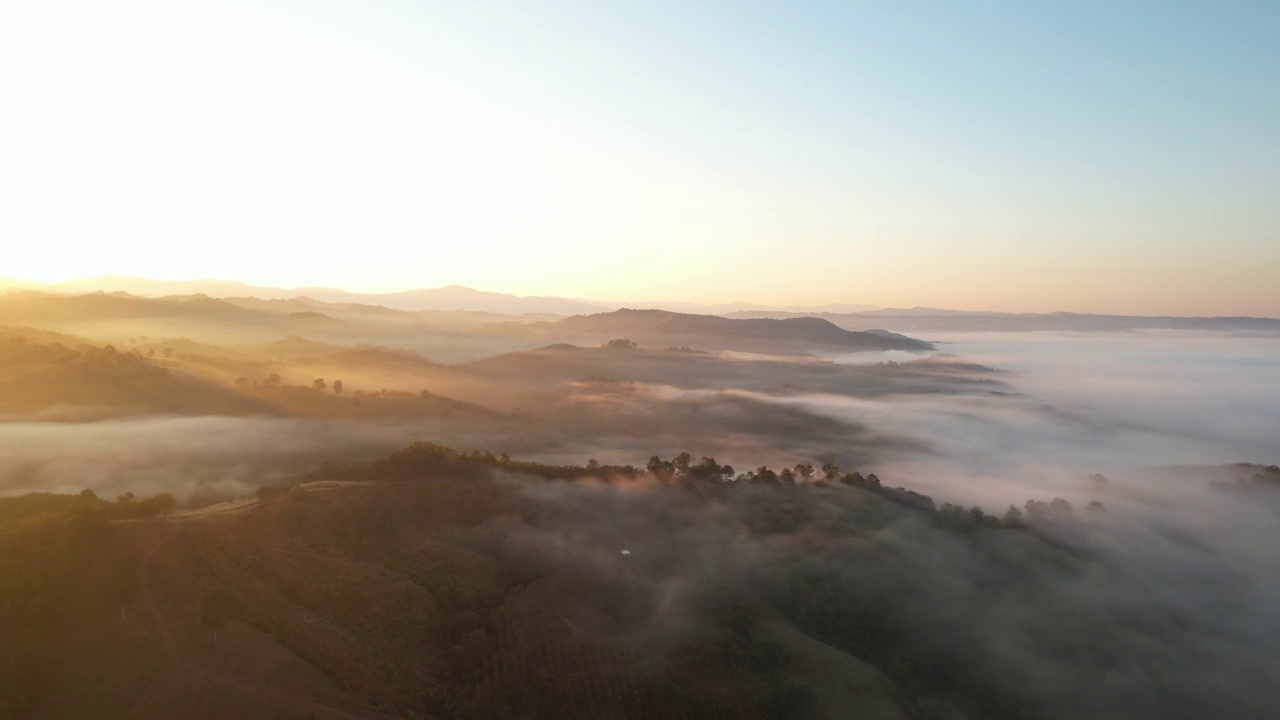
(438, 584)
(712, 332)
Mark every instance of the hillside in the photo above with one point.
(101, 381)
(440, 584)
(430, 585)
(710, 332)
(178, 377)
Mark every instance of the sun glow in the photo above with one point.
(613, 154)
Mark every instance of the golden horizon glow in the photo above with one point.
(402, 146)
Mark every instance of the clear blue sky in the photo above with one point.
(1014, 155)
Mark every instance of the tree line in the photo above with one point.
(425, 459)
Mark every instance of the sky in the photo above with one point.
(1086, 156)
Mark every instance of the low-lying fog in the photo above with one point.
(199, 459)
(1176, 581)
(1067, 405)
(1112, 403)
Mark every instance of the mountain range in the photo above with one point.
(448, 298)
(454, 298)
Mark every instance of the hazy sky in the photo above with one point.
(1015, 156)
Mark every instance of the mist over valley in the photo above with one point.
(1010, 524)
(639, 360)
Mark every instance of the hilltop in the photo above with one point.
(710, 332)
(438, 584)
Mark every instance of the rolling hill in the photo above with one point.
(932, 319)
(794, 336)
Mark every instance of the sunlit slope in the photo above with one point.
(36, 378)
(176, 377)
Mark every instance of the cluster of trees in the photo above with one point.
(128, 506)
(425, 459)
(1266, 477)
(274, 381)
(429, 460)
(319, 384)
(620, 344)
(682, 466)
(20, 350)
(1056, 510)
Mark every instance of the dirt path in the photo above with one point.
(297, 701)
(244, 503)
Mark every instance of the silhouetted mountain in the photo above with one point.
(456, 297)
(452, 297)
(711, 332)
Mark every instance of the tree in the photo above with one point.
(267, 492)
(337, 387)
(273, 380)
(161, 504)
(707, 467)
(1060, 509)
(242, 382)
(681, 462)
(319, 384)
(766, 476)
(620, 344)
(125, 498)
(168, 353)
(1013, 516)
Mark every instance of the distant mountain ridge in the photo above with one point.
(116, 316)
(451, 297)
(928, 319)
(455, 298)
(446, 299)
